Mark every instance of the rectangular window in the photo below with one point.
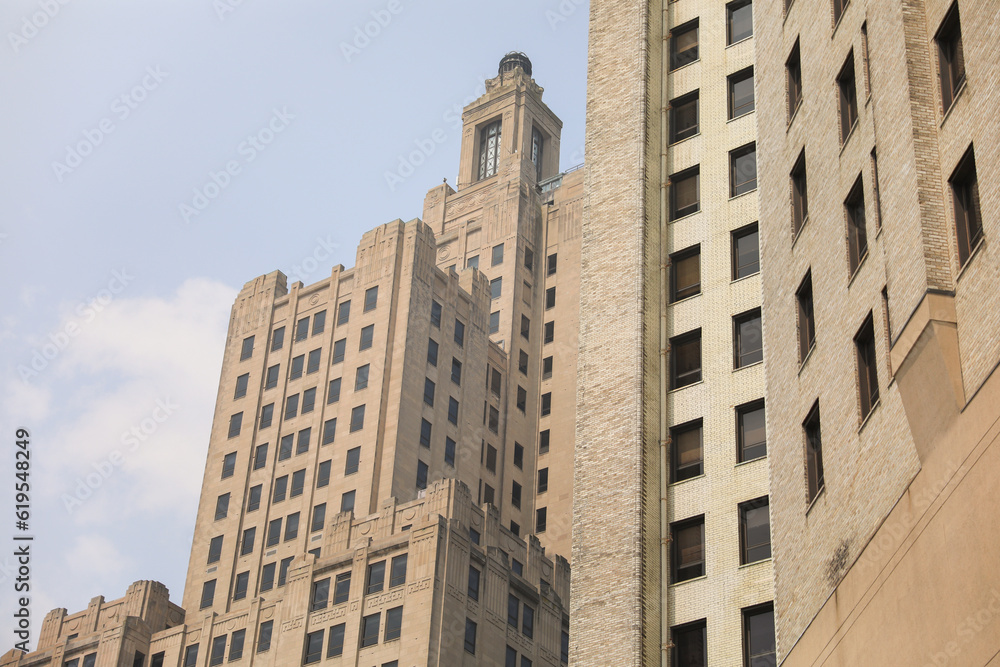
(283, 570)
(229, 463)
(550, 264)
(357, 418)
(271, 379)
(739, 21)
(425, 433)
(515, 495)
(459, 333)
(342, 588)
(473, 590)
(684, 44)
(543, 480)
(470, 636)
(367, 335)
(298, 483)
(320, 594)
(376, 578)
(280, 491)
(298, 363)
(266, 415)
(546, 403)
(285, 447)
(488, 494)
(751, 434)
(758, 635)
(319, 322)
(343, 312)
(393, 623)
(207, 593)
(436, 314)
(522, 399)
(429, 392)
(793, 78)
(807, 325)
(323, 475)
(496, 288)
(312, 366)
(371, 298)
(241, 386)
(814, 452)
(361, 378)
(848, 97)
(241, 585)
(308, 400)
(684, 117)
(685, 359)
(494, 321)
(688, 549)
(235, 424)
(549, 334)
(525, 327)
(755, 531)
(267, 577)
(528, 622)
(746, 251)
(339, 349)
(215, 549)
(685, 273)
(456, 371)
(277, 339)
(546, 368)
(449, 451)
(491, 458)
(513, 610)
(497, 254)
(543, 442)
(236, 645)
(838, 9)
(518, 455)
(687, 450)
(191, 655)
(864, 347)
(292, 526)
(302, 329)
(684, 193)
(747, 339)
(453, 411)
(800, 201)
(264, 636)
(965, 193)
(951, 57)
(472, 262)
(529, 254)
(249, 537)
(857, 233)
(522, 363)
(397, 571)
(511, 659)
(253, 500)
(421, 475)
(432, 352)
(333, 391)
(319, 517)
(743, 170)
(741, 97)
(541, 516)
(550, 298)
(690, 645)
(222, 506)
(273, 532)
(353, 461)
(313, 651)
(247, 350)
(292, 406)
(335, 645)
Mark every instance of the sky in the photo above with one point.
(156, 156)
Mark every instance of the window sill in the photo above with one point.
(689, 479)
(796, 235)
(968, 260)
(857, 269)
(748, 37)
(686, 215)
(864, 422)
(687, 386)
(674, 584)
(749, 275)
(756, 363)
(681, 141)
(687, 298)
(748, 462)
(840, 20)
(679, 68)
(756, 562)
(812, 504)
(954, 101)
(742, 115)
(850, 133)
(792, 115)
(743, 194)
(809, 354)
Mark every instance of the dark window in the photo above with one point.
(241, 385)
(529, 254)
(511, 659)
(746, 251)
(519, 455)
(453, 411)
(875, 190)
(339, 348)
(513, 610)
(273, 532)
(684, 117)
(684, 44)
(800, 200)
(739, 21)
(247, 351)
(522, 363)
(857, 234)
(491, 458)
(249, 537)
(459, 333)
(432, 352)
(751, 433)
(488, 495)
(456, 371)
(522, 399)
(367, 335)
(320, 594)
(292, 526)
(421, 475)
(343, 312)
(685, 273)
(472, 262)
(951, 58)
(564, 648)
(267, 577)
(747, 339)
(436, 314)
(357, 418)
(741, 97)
(449, 451)
(838, 9)
(207, 593)
(541, 516)
(291, 406)
(684, 193)
(298, 483)
(515, 495)
(376, 578)
(807, 324)
(264, 636)
(308, 400)
(335, 645)
(495, 381)
(755, 531)
(361, 378)
(525, 327)
(313, 651)
(342, 588)
(285, 447)
(312, 365)
(319, 517)
(266, 415)
(546, 403)
(743, 170)
(222, 506)
(371, 298)
(864, 346)
(688, 549)
(393, 623)
(965, 192)
(543, 442)
(546, 368)
(494, 321)
(685, 359)
(543, 480)
(323, 475)
(353, 461)
(241, 585)
(190, 655)
(517, 567)
(690, 645)
(298, 363)
(253, 500)
(277, 339)
(528, 622)
(333, 391)
(302, 329)
(496, 288)
(429, 392)
(397, 571)
(319, 322)
(474, 535)
(215, 549)
(549, 334)
(793, 78)
(235, 424)
(758, 636)
(814, 452)
(271, 379)
(550, 298)
(236, 645)
(470, 636)
(229, 463)
(283, 570)
(425, 433)
(551, 262)
(489, 149)
(848, 97)
(497, 254)
(687, 450)
(280, 490)
(473, 590)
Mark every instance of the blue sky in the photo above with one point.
(157, 156)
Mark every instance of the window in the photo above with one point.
(472, 262)
(436, 314)
(684, 44)
(543, 480)
(264, 636)
(807, 326)
(308, 400)
(207, 593)
(755, 531)
(253, 500)
(496, 287)
(800, 201)
(528, 622)
(339, 348)
(449, 451)
(470, 636)
(241, 385)
(743, 170)
(746, 251)
(298, 483)
(235, 424)
(222, 506)
(425, 433)
(848, 97)
(838, 9)
(537, 144)
(685, 273)
(229, 463)
(277, 339)
(546, 368)
(191, 655)
(429, 392)
(951, 57)
(690, 645)
(393, 623)
(758, 635)
(793, 78)
(541, 516)
(292, 406)
(739, 21)
(236, 645)
(685, 359)
(513, 610)
(357, 418)
(247, 351)
(421, 475)
(241, 585)
(280, 489)
(285, 447)
(397, 571)
(335, 645)
(297, 364)
(249, 537)
(319, 517)
(684, 193)
(459, 333)
(353, 461)
(522, 363)
(342, 588)
(748, 341)
(432, 352)
(267, 577)
(320, 594)
(495, 381)
(292, 526)
(488, 495)
(271, 379)
(564, 648)
(751, 434)
(273, 532)
(522, 399)
(215, 549)
(473, 590)
(453, 410)
(489, 150)
(361, 378)
(965, 192)
(550, 298)
(688, 549)
(864, 346)
(683, 117)
(474, 535)
(519, 455)
(266, 415)
(546, 403)
(376, 578)
(687, 450)
(550, 264)
(494, 321)
(491, 458)
(515, 495)
(314, 647)
(814, 452)
(371, 298)
(367, 334)
(497, 257)
(343, 312)
(313, 364)
(525, 327)
(511, 659)
(741, 96)
(319, 322)
(517, 567)
(283, 570)
(456, 371)
(333, 391)
(302, 329)
(543, 442)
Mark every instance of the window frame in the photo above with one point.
(678, 292)
(676, 213)
(951, 57)
(731, 81)
(684, 339)
(677, 135)
(689, 55)
(679, 473)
